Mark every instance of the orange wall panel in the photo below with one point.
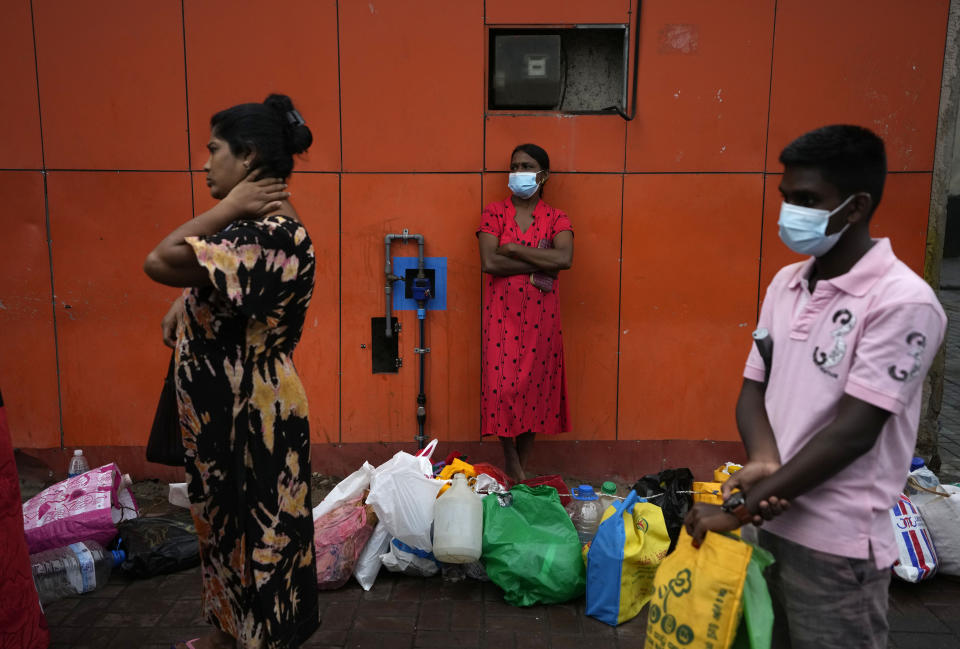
(574, 142)
(704, 81)
(28, 363)
(111, 84)
(555, 12)
(445, 208)
(296, 56)
(902, 216)
(879, 68)
(20, 131)
(688, 302)
(112, 359)
(589, 295)
(316, 198)
(411, 78)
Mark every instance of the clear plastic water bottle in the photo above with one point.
(608, 496)
(76, 569)
(78, 464)
(920, 478)
(585, 512)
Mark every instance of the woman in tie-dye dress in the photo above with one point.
(248, 265)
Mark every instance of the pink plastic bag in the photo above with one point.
(86, 506)
(339, 537)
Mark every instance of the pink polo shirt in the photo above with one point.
(870, 333)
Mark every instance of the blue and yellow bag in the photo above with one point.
(622, 560)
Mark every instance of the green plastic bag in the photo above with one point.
(756, 625)
(530, 548)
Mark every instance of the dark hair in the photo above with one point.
(273, 129)
(536, 153)
(851, 158)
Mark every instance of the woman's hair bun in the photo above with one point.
(298, 136)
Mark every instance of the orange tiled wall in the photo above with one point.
(104, 117)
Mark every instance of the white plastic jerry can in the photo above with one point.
(458, 523)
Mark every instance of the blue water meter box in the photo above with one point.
(437, 285)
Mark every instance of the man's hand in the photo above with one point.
(508, 250)
(769, 509)
(748, 476)
(257, 197)
(703, 518)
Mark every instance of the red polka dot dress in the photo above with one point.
(523, 383)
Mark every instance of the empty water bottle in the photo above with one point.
(78, 464)
(585, 512)
(76, 569)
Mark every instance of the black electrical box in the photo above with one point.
(527, 71)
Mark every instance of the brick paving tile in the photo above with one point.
(465, 615)
(533, 640)
(447, 639)
(515, 623)
(388, 607)
(339, 615)
(371, 640)
(566, 641)
(915, 640)
(498, 640)
(328, 637)
(564, 619)
(435, 616)
(385, 623)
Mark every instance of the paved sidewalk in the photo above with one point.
(405, 612)
(399, 612)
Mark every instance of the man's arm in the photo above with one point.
(851, 435)
(763, 457)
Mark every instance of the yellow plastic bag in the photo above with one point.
(707, 492)
(722, 473)
(697, 592)
(457, 466)
(623, 558)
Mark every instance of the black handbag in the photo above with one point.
(165, 445)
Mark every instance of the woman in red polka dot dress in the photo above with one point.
(524, 243)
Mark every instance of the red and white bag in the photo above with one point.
(86, 506)
(918, 559)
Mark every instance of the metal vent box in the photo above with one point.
(526, 71)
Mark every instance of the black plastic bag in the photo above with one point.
(165, 445)
(157, 546)
(666, 489)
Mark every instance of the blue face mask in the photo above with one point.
(803, 229)
(523, 183)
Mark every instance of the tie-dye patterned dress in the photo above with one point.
(243, 414)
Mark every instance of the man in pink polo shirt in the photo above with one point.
(829, 414)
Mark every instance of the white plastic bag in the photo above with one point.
(942, 517)
(409, 561)
(368, 563)
(403, 497)
(178, 495)
(917, 558)
(350, 488)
